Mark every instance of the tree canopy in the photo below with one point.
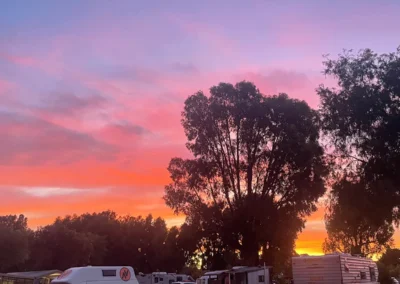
(257, 172)
(389, 266)
(93, 239)
(362, 117)
(14, 241)
(352, 224)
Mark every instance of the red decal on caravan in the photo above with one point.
(125, 274)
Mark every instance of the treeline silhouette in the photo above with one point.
(259, 166)
(93, 239)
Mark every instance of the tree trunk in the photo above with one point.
(250, 250)
(356, 250)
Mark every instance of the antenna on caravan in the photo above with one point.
(265, 274)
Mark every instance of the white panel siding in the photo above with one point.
(356, 265)
(316, 270)
(252, 277)
(332, 269)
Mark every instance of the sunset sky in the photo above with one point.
(91, 91)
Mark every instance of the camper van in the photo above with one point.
(163, 278)
(238, 275)
(334, 269)
(97, 275)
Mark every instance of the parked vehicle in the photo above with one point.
(163, 278)
(212, 277)
(97, 275)
(238, 275)
(334, 269)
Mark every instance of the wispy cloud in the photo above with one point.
(18, 59)
(60, 191)
(67, 104)
(33, 141)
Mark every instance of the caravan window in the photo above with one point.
(363, 275)
(261, 278)
(179, 278)
(372, 274)
(156, 280)
(108, 273)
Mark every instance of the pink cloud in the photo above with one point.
(19, 60)
(33, 141)
(295, 84)
(49, 64)
(278, 80)
(67, 104)
(5, 88)
(124, 134)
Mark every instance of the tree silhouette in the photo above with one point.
(362, 118)
(257, 170)
(95, 239)
(58, 247)
(389, 266)
(351, 222)
(14, 242)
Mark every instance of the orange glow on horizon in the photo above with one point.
(41, 212)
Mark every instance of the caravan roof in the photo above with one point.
(36, 274)
(111, 274)
(216, 272)
(244, 269)
(158, 273)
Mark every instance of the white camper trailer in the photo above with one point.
(163, 278)
(334, 269)
(250, 275)
(97, 275)
(212, 277)
(238, 275)
(183, 278)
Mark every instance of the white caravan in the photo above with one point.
(211, 277)
(238, 275)
(334, 269)
(163, 278)
(97, 275)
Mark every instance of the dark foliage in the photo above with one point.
(389, 266)
(14, 241)
(352, 222)
(93, 239)
(362, 118)
(257, 172)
